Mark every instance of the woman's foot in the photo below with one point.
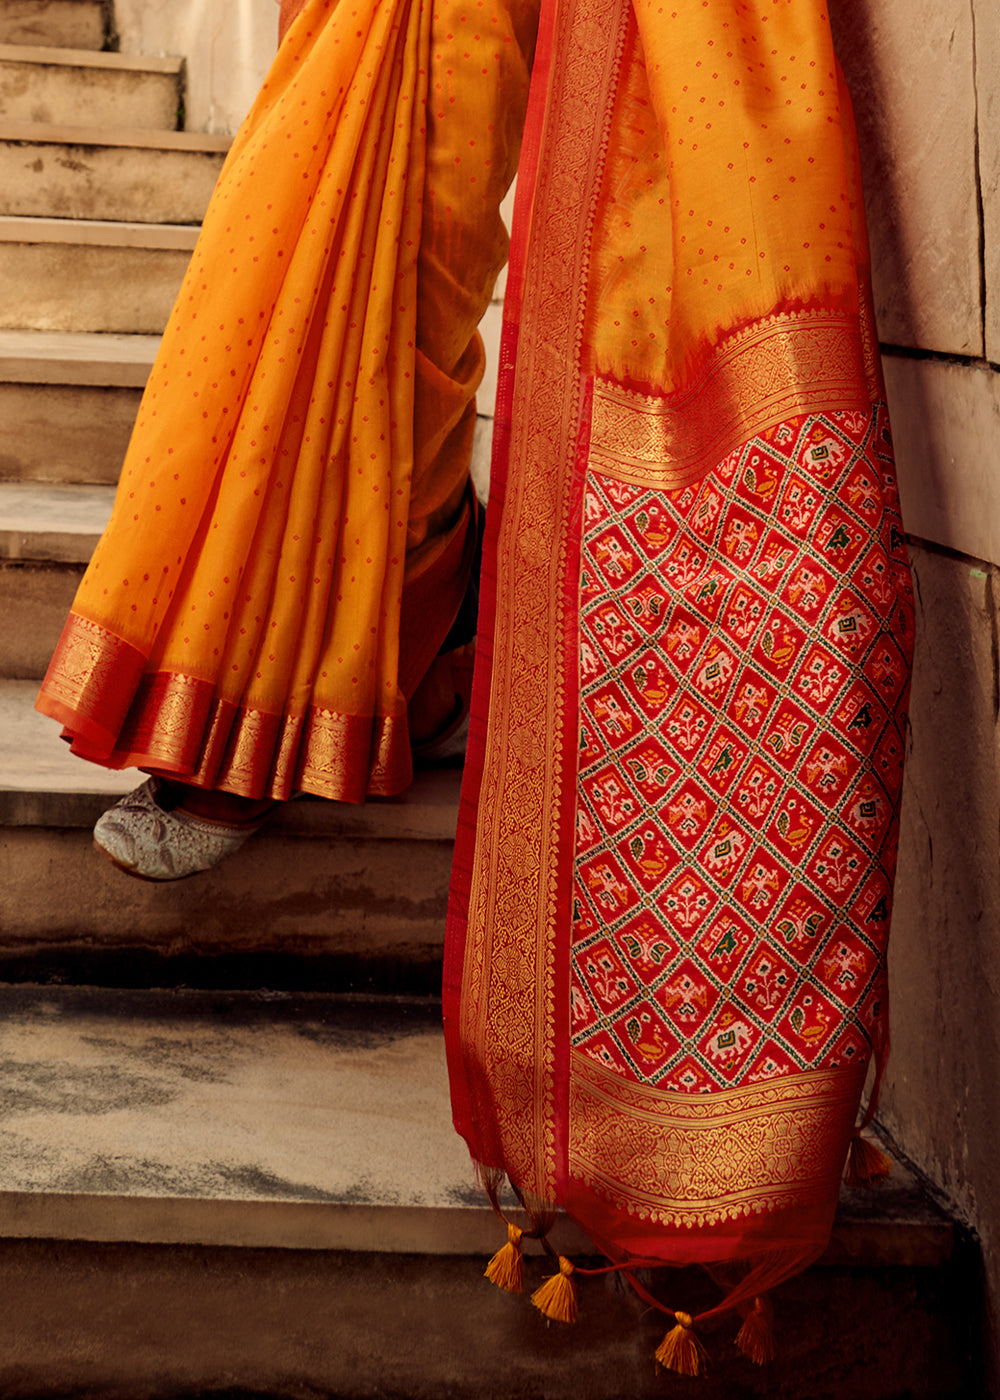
(212, 804)
(167, 831)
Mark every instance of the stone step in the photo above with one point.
(45, 84)
(89, 275)
(76, 358)
(328, 894)
(73, 172)
(261, 1120)
(53, 523)
(34, 601)
(68, 403)
(47, 535)
(67, 24)
(263, 1195)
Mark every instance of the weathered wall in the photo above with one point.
(926, 82)
(228, 45)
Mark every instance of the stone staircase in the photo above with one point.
(227, 1166)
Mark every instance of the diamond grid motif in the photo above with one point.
(740, 753)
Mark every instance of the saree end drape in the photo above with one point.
(298, 473)
(665, 972)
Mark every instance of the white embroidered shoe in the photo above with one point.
(147, 840)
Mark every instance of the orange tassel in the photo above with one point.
(755, 1338)
(506, 1268)
(556, 1297)
(681, 1350)
(866, 1164)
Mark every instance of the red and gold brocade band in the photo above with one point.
(298, 475)
(665, 963)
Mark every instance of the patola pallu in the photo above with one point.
(665, 971)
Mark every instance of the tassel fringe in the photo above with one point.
(556, 1298)
(506, 1268)
(866, 1164)
(681, 1350)
(755, 1338)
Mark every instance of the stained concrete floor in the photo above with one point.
(304, 1122)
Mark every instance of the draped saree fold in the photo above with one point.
(665, 966)
(297, 481)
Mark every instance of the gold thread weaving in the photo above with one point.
(690, 1159)
(791, 364)
(513, 900)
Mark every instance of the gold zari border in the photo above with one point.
(90, 680)
(789, 365)
(175, 724)
(699, 1159)
(510, 1011)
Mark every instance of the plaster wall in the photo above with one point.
(925, 75)
(228, 46)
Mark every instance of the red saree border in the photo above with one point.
(175, 725)
(90, 682)
(118, 715)
(179, 726)
(791, 364)
(520, 888)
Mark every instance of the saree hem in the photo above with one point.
(176, 726)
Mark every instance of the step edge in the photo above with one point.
(156, 65)
(97, 47)
(73, 374)
(71, 545)
(380, 1228)
(35, 231)
(55, 133)
(76, 359)
(313, 1225)
(48, 807)
(12, 494)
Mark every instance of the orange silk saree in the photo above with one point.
(298, 476)
(672, 888)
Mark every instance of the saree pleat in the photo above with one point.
(672, 888)
(300, 459)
